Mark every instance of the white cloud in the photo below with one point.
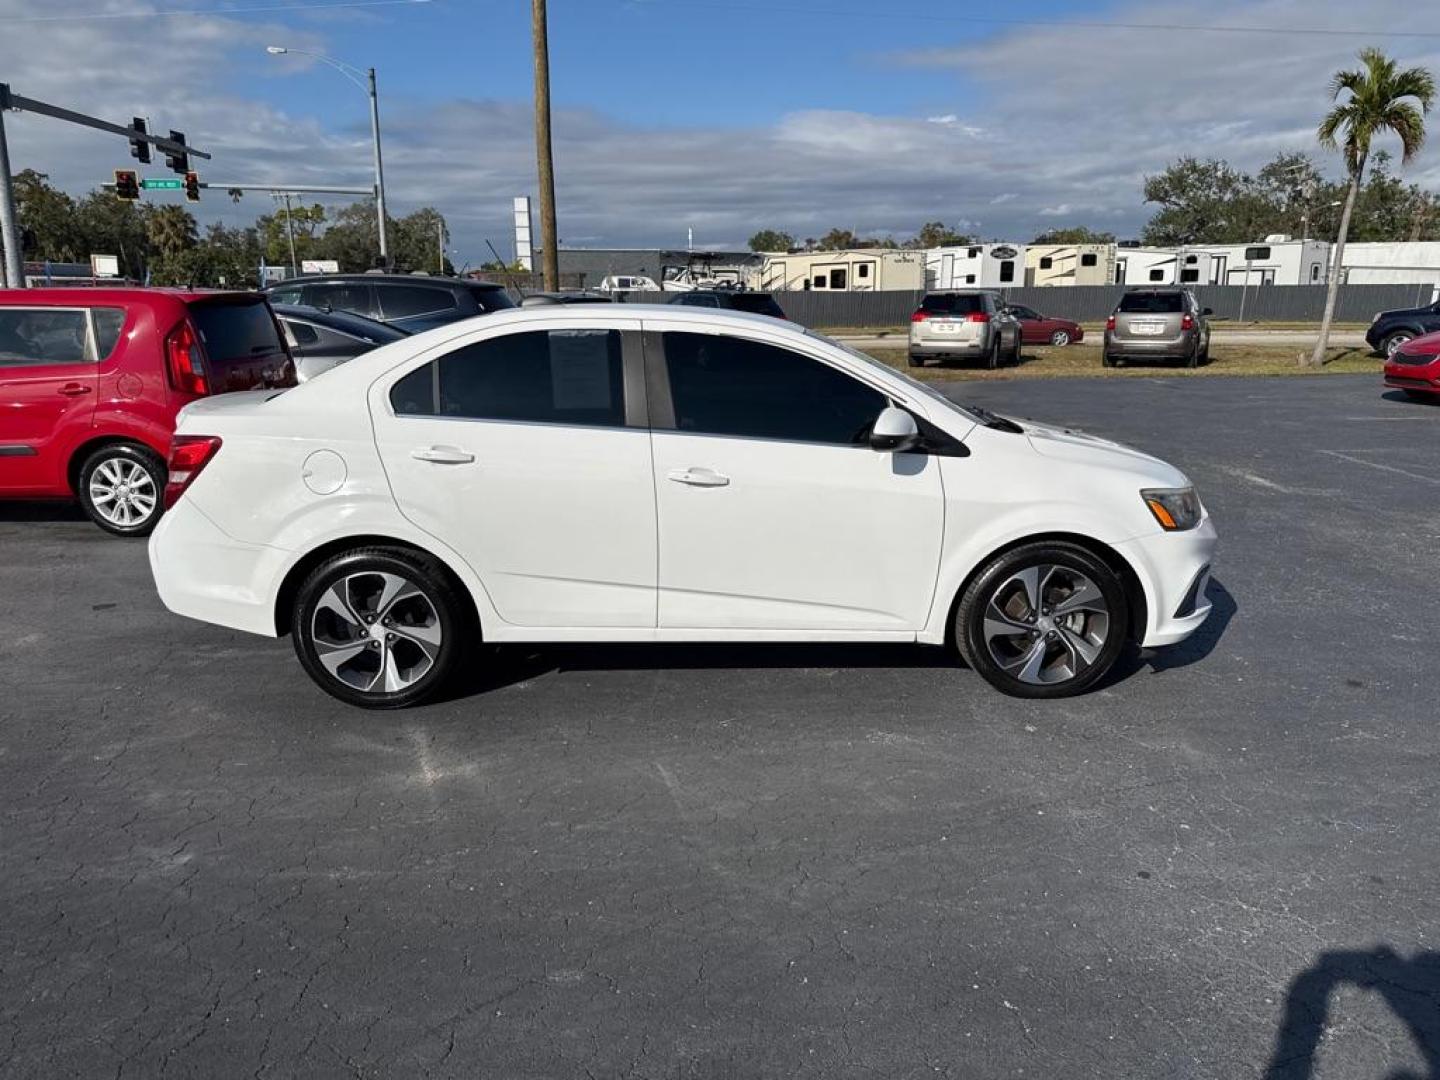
(1066, 125)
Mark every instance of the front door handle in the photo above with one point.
(442, 455)
(698, 476)
(74, 389)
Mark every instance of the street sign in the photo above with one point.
(163, 183)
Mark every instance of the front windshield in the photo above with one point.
(924, 388)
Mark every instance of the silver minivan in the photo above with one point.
(964, 325)
(1158, 324)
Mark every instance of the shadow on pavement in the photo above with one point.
(1411, 988)
(1400, 397)
(40, 510)
(1200, 644)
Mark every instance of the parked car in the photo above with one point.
(91, 380)
(966, 325)
(1391, 329)
(543, 299)
(1037, 329)
(1414, 366)
(412, 302)
(320, 340)
(1158, 324)
(756, 303)
(654, 473)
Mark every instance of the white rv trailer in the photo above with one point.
(1276, 260)
(1146, 266)
(1409, 263)
(975, 266)
(859, 270)
(1070, 264)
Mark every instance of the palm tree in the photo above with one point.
(1380, 100)
(170, 230)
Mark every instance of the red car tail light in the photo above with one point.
(920, 315)
(978, 316)
(189, 454)
(1110, 323)
(1187, 323)
(182, 357)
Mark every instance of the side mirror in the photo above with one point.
(894, 431)
(1207, 311)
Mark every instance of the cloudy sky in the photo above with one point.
(719, 115)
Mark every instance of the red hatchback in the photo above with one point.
(91, 380)
(1415, 368)
(1037, 329)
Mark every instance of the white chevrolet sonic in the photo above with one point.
(663, 474)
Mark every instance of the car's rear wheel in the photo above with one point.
(380, 627)
(1060, 338)
(1109, 361)
(1016, 351)
(916, 361)
(1394, 341)
(120, 488)
(992, 358)
(1193, 360)
(1045, 620)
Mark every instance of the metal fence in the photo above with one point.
(1094, 303)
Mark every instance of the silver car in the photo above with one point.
(1158, 324)
(964, 325)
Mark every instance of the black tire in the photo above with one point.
(359, 654)
(121, 488)
(1393, 341)
(1193, 360)
(992, 358)
(996, 581)
(1108, 360)
(1019, 348)
(916, 361)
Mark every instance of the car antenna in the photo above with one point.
(505, 270)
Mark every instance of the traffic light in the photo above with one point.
(127, 185)
(178, 162)
(139, 148)
(192, 186)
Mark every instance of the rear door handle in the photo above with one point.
(442, 455)
(697, 476)
(74, 389)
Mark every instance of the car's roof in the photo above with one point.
(339, 320)
(82, 296)
(408, 279)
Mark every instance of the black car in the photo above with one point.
(1391, 329)
(412, 302)
(319, 340)
(756, 303)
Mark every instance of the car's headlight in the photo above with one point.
(1176, 509)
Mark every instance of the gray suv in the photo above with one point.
(1158, 324)
(964, 325)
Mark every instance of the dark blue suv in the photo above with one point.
(1391, 329)
(411, 302)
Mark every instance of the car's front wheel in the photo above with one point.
(380, 627)
(1045, 620)
(1393, 341)
(120, 488)
(1060, 338)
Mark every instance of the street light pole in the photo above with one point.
(13, 269)
(368, 85)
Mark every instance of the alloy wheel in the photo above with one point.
(123, 492)
(1046, 624)
(1393, 343)
(376, 632)
(1060, 338)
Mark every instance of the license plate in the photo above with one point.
(946, 327)
(1148, 328)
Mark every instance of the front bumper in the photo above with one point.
(1422, 377)
(1173, 569)
(203, 573)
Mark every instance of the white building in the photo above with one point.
(859, 270)
(977, 266)
(1415, 263)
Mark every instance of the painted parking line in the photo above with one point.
(1384, 468)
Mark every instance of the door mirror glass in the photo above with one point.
(894, 430)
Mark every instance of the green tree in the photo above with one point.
(169, 230)
(1078, 234)
(416, 240)
(111, 226)
(1379, 98)
(771, 240)
(937, 234)
(837, 240)
(47, 217)
(1200, 202)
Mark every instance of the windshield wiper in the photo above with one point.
(993, 420)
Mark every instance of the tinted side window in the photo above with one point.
(303, 333)
(288, 295)
(729, 386)
(406, 301)
(342, 296)
(109, 321)
(545, 376)
(43, 336)
(488, 300)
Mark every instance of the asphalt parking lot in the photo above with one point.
(726, 862)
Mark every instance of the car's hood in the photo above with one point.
(1070, 445)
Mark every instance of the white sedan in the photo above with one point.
(663, 474)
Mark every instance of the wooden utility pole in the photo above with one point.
(550, 255)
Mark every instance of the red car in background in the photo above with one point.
(91, 381)
(1415, 368)
(1037, 329)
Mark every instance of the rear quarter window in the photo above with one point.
(488, 300)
